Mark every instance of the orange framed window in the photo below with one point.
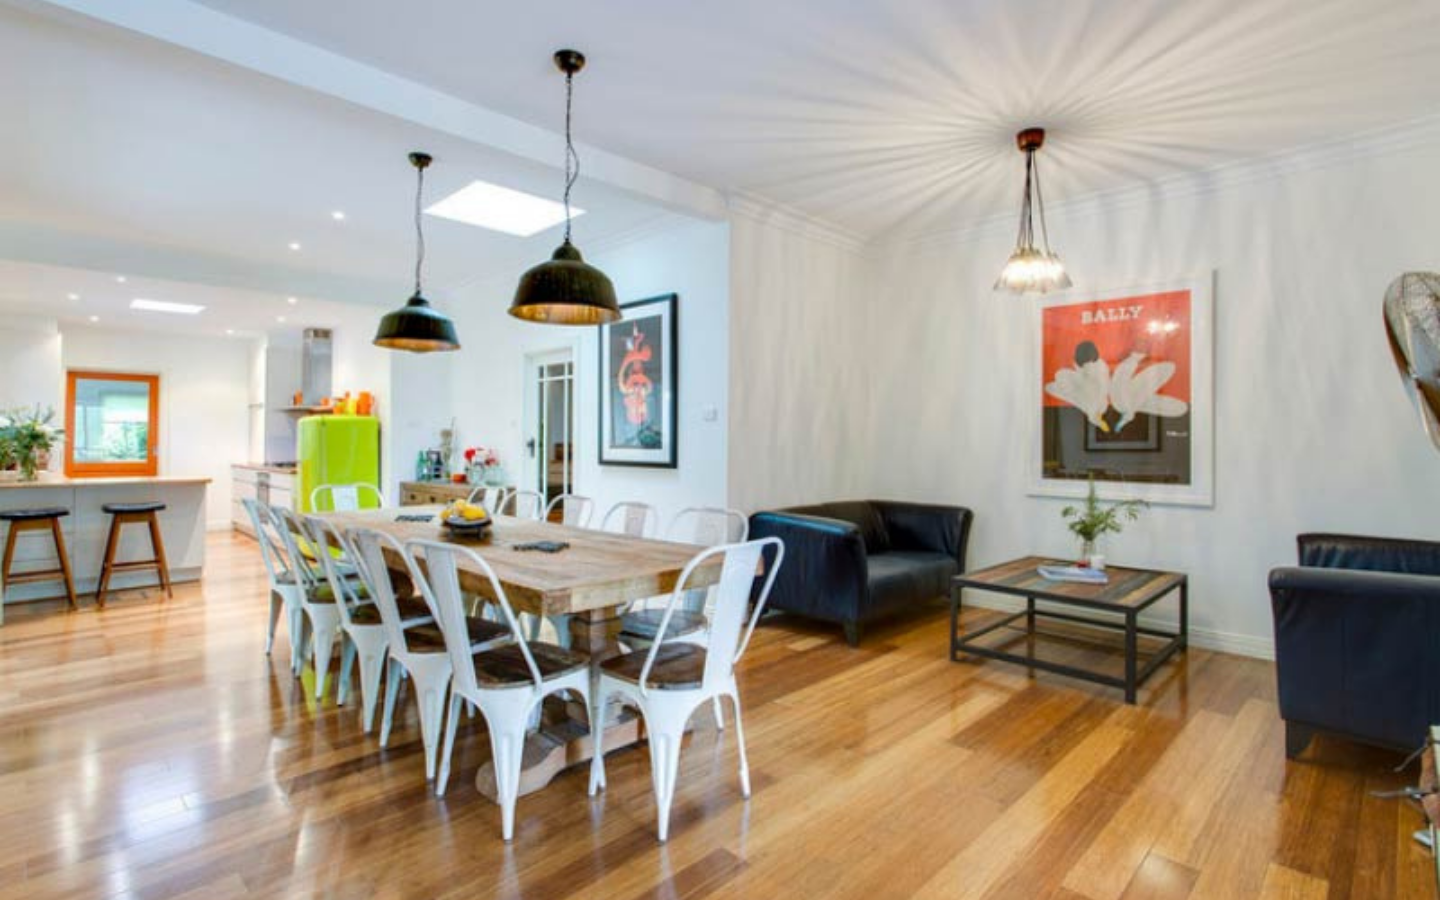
(112, 424)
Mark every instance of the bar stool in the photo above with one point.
(46, 519)
(127, 514)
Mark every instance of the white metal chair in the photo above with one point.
(489, 496)
(706, 527)
(360, 617)
(420, 651)
(575, 510)
(631, 518)
(284, 587)
(347, 497)
(315, 599)
(508, 683)
(523, 504)
(669, 681)
(709, 526)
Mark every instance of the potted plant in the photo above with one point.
(1090, 521)
(33, 438)
(9, 459)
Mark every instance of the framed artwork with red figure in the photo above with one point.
(639, 388)
(1125, 394)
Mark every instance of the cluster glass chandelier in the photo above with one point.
(1032, 269)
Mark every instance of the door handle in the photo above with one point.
(530, 447)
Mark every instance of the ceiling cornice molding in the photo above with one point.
(765, 211)
(1418, 133)
(203, 30)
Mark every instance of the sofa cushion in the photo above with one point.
(907, 576)
(860, 513)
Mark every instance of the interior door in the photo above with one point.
(550, 423)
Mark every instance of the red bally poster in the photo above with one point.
(1116, 389)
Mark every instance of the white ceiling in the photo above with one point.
(127, 155)
(897, 116)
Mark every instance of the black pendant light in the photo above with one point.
(1032, 268)
(566, 290)
(417, 326)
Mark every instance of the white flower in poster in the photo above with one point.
(1134, 390)
(1085, 386)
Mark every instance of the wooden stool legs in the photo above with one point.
(61, 573)
(112, 547)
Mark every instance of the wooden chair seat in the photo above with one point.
(677, 667)
(412, 609)
(428, 639)
(645, 623)
(505, 666)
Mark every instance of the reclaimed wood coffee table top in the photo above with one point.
(1128, 588)
(599, 570)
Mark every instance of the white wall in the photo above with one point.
(689, 258)
(804, 414)
(204, 397)
(31, 372)
(1312, 429)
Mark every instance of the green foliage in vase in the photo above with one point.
(27, 433)
(1093, 519)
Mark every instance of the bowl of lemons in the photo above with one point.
(466, 520)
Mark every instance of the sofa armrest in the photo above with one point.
(1348, 551)
(925, 526)
(825, 573)
(1354, 651)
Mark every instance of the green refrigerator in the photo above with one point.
(338, 450)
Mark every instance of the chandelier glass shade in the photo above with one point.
(1033, 268)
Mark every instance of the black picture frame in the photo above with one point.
(662, 314)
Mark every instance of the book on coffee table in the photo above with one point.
(1078, 574)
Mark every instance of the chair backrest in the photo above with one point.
(346, 497)
(575, 510)
(489, 496)
(272, 550)
(523, 504)
(325, 536)
(441, 588)
(294, 536)
(709, 526)
(370, 546)
(631, 517)
(729, 633)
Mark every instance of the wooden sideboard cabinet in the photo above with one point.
(431, 493)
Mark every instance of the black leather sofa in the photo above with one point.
(1357, 640)
(855, 561)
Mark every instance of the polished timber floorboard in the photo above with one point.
(153, 751)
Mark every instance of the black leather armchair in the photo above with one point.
(855, 561)
(1357, 640)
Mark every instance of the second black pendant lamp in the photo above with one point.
(566, 290)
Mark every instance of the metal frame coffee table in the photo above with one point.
(1128, 594)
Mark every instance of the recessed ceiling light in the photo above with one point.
(229, 331)
(72, 296)
(119, 279)
(338, 215)
(294, 245)
(94, 318)
(280, 319)
(499, 208)
(292, 300)
(163, 306)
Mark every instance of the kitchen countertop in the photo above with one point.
(265, 467)
(60, 481)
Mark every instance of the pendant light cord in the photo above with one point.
(419, 230)
(572, 159)
(1040, 202)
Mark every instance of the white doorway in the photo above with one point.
(549, 423)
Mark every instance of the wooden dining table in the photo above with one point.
(591, 580)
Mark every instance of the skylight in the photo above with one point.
(498, 208)
(164, 306)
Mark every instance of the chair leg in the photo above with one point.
(276, 603)
(392, 689)
(12, 533)
(112, 543)
(740, 746)
(1297, 738)
(322, 645)
(852, 633)
(597, 740)
(507, 747)
(157, 547)
(64, 557)
(299, 633)
(347, 664)
(430, 691)
(372, 666)
(664, 769)
(452, 722)
(719, 712)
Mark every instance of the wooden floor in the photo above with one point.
(153, 751)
